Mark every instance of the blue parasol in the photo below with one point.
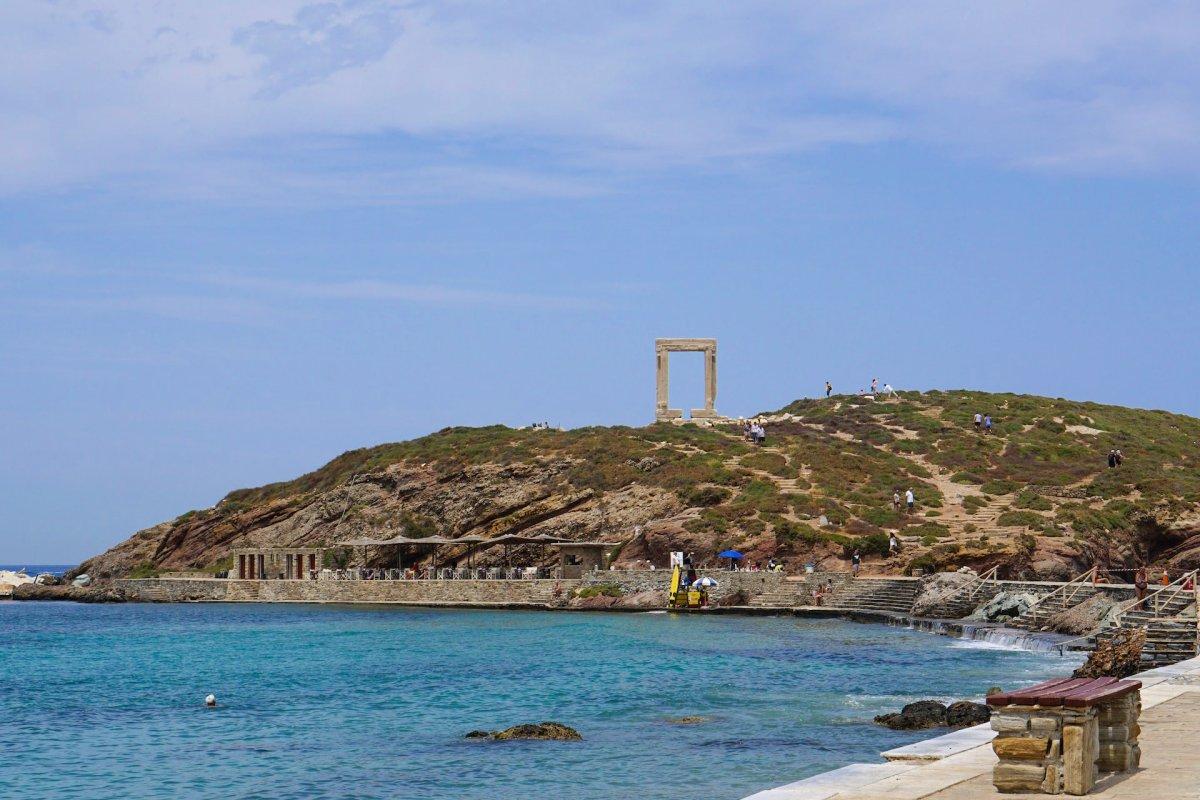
(730, 554)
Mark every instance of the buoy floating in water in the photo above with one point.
(211, 701)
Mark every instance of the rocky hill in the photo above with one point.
(1035, 496)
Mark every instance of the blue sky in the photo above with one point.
(239, 239)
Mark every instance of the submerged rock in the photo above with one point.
(692, 719)
(916, 716)
(544, 731)
(964, 714)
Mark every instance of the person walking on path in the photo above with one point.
(893, 544)
(987, 424)
(1139, 583)
(896, 501)
(910, 499)
(1120, 457)
(855, 562)
(978, 421)
(828, 388)
(874, 385)
(888, 390)
(1112, 458)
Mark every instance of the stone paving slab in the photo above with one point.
(941, 747)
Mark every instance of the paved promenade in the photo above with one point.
(958, 766)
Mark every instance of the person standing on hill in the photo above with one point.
(893, 544)
(855, 562)
(1140, 583)
(896, 501)
(910, 499)
(874, 385)
(1120, 457)
(828, 388)
(1112, 458)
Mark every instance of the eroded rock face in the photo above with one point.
(78, 594)
(939, 592)
(1083, 618)
(1117, 657)
(915, 716)
(532, 498)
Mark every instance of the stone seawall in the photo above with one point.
(436, 592)
(177, 590)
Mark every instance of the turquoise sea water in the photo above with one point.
(355, 702)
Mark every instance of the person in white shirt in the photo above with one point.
(978, 421)
(911, 499)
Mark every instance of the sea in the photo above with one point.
(318, 701)
(37, 569)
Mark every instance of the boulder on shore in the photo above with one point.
(541, 731)
(916, 716)
(1082, 618)
(78, 594)
(940, 593)
(1004, 607)
(964, 714)
(932, 714)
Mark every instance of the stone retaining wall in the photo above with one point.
(521, 592)
(167, 590)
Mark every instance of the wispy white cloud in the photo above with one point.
(370, 100)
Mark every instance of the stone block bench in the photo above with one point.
(1056, 736)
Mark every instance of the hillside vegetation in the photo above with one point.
(1035, 496)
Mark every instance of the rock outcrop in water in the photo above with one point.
(543, 731)
(925, 714)
(1004, 607)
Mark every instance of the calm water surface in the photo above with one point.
(341, 702)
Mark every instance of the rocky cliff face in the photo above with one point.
(1035, 496)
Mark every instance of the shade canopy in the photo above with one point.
(734, 554)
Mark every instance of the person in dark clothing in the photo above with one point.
(828, 388)
(1112, 458)
(1140, 583)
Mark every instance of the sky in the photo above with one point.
(240, 238)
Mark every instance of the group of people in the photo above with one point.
(821, 590)
(755, 432)
(910, 500)
(887, 389)
(1115, 457)
(983, 422)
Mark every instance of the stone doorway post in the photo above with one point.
(662, 349)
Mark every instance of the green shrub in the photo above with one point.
(995, 487)
(871, 544)
(789, 532)
(1032, 501)
(1021, 519)
(144, 570)
(973, 502)
(966, 477)
(927, 562)
(704, 495)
